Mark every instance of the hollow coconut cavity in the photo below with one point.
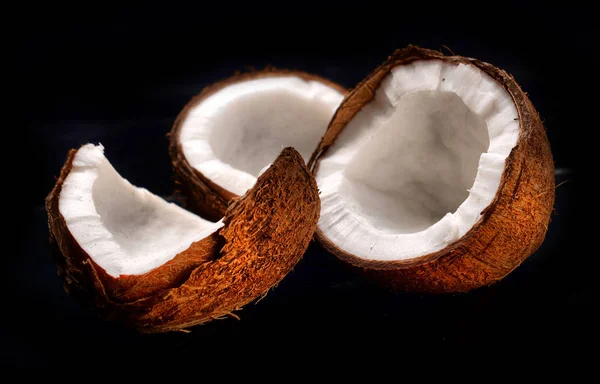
(159, 267)
(436, 172)
(231, 131)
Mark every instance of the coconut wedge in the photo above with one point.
(435, 174)
(158, 267)
(233, 129)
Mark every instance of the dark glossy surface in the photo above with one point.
(120, 77)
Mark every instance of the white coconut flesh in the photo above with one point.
(236, 132)
(412, 172)
(124, 229)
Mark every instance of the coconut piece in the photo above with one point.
(158, 267)
(435, 174)
(227, 134)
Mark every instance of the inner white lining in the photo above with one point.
(414, 169)
(234, 133)
(126, 230)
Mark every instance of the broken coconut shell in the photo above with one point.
(199, 192)
(509, 229)
(265, 234)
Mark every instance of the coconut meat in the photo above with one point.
(231, 135)
(413, 170)
(124, 229)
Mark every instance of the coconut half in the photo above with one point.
(435, 174)
(233, 129)
(159, 267)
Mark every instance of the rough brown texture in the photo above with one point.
(200, 193)
(511, 228)
(265, 234)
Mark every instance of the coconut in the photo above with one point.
(158, 267)
(227, 134)
(435, 174)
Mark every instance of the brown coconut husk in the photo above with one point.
(202, 195)
(510, 229)
(265, 234)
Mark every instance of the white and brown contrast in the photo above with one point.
(435, 174)
(158, 267)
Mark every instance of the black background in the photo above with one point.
(119, 76)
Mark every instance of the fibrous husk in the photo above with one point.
(510, 229)
(199, 192)
(265, 234)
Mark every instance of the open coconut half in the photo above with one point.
(233, 129)
(435, 174)
(159, 267)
